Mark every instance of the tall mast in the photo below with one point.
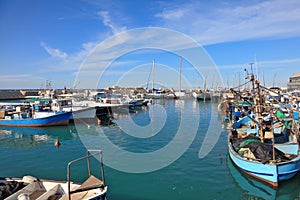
(180, 71)
(263, 77)
(252, 76)
(255, 62)
(239, 81)
(153, 62)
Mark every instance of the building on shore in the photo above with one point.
(10, 94)
(294, 82)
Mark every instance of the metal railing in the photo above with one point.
(88, 155)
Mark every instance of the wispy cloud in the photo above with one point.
(106, 20)
(233, 21)
(206, 23)
(26, 80)
(171, 14)
(5, 78)
(55, 53)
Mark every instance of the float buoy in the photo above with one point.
(57, 143)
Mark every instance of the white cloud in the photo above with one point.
(5, 78)
(232, 21)
(55, 53)
(20, 81)
(108, 22)
(171, 14)
(206, 23)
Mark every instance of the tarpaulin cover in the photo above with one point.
(261, 151)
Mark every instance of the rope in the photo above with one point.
(241, 85)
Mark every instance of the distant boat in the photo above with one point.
(216, 95)
(154, 93)
(201, 95)
(138, 100)
(180, 94)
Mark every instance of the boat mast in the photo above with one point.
(245, 77)
(180, 71)
(252, 76)
(239, 82)
(153, 62)
(257, 102)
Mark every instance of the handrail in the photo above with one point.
(88, 155)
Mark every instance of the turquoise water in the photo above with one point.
(31, 151)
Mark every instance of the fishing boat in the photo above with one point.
(27, 115)
(30, 187)
(262, 166)
(56, 119)
(264, 146)
(79, 111)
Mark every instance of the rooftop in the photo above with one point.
(297, 74)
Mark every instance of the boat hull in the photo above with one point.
(84, 113)
(202, 96)
(269, 173)
(50, 187)
(53, 120)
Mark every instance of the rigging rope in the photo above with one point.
(241, 85)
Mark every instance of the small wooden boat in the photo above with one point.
(263, 144)
(30, 187)
(285, 165)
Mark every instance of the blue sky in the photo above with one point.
(57, 40)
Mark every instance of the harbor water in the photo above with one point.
(192, 175)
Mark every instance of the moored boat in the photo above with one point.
(30, 187)
(53, 119)
(31, 115)
(202, 95)
(285, 165)
(264, 144)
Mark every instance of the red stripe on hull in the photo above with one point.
(273, 184)
(62, 123)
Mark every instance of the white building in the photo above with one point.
(294, 83)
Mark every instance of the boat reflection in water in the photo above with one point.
(254, 188)
(29, 137)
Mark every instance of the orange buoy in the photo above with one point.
(99, 121)
(57, 143)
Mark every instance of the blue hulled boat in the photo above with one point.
(51, 119)
(284, 167)
(264, 141)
